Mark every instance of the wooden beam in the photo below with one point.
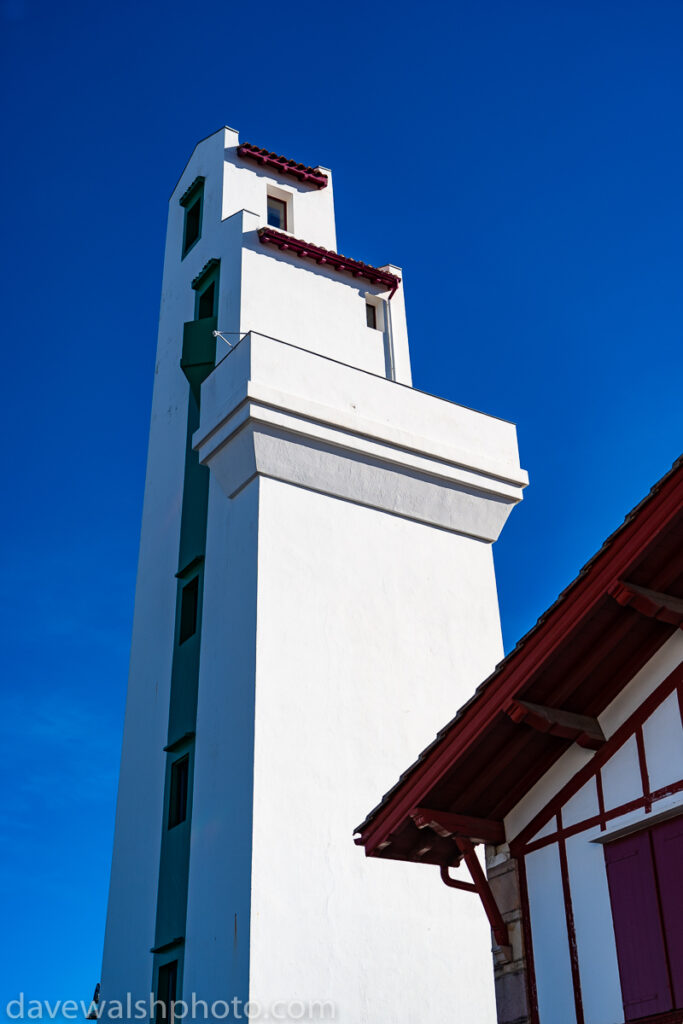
(582, 729)
(445, 824)
(498, 926)
(651, 603)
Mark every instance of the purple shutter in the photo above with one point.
(667, 840)
(637, 927)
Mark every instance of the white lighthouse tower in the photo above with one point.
(315, 593)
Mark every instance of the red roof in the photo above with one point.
(326, 257)
(624, 604)
(283, 165)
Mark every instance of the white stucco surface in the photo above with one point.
(584, 804)
(621, 776)
(357, 665)
(663, 739)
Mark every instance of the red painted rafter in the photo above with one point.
(651, 603)
(581, 729)
(326, 257)
(308, 175)
(480, 830)
(608, 566)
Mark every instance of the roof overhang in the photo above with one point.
(547, 694)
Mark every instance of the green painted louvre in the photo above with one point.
(197, 361)
(193, 202)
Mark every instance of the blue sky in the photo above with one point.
(522, 163)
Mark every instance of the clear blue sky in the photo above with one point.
(522, 162)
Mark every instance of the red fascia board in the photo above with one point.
(269, 236)
(562, 621)
(309, 175)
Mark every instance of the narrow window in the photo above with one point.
(192, 201)
(189, 601)
(207, 302)
(371, 314)
(177, 805)
(277, 213)
(193, 224)
(166, 992)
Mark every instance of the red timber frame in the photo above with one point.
(525, 843)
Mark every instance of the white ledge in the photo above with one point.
(283, 412)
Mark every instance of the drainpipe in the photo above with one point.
(389, 333)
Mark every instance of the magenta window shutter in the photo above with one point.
(667, 840)
(637, 926)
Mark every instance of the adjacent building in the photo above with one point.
(315, 592)
(567, 767)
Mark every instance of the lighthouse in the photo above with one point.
(315, 593)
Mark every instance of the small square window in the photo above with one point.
(189, 603)
(166, 992)
(277, 213)
(371, 314)
(177, 804)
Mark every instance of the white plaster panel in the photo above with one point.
(595, 943)
(663, 736)
(621, 779)
(548, 829)
(550, 941)
(584, 804)
(371, 629)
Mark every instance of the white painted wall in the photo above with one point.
(663, 739)
(314, 307)
(357, 665)
(621, 780)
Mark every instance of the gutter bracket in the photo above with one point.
(481, 885)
